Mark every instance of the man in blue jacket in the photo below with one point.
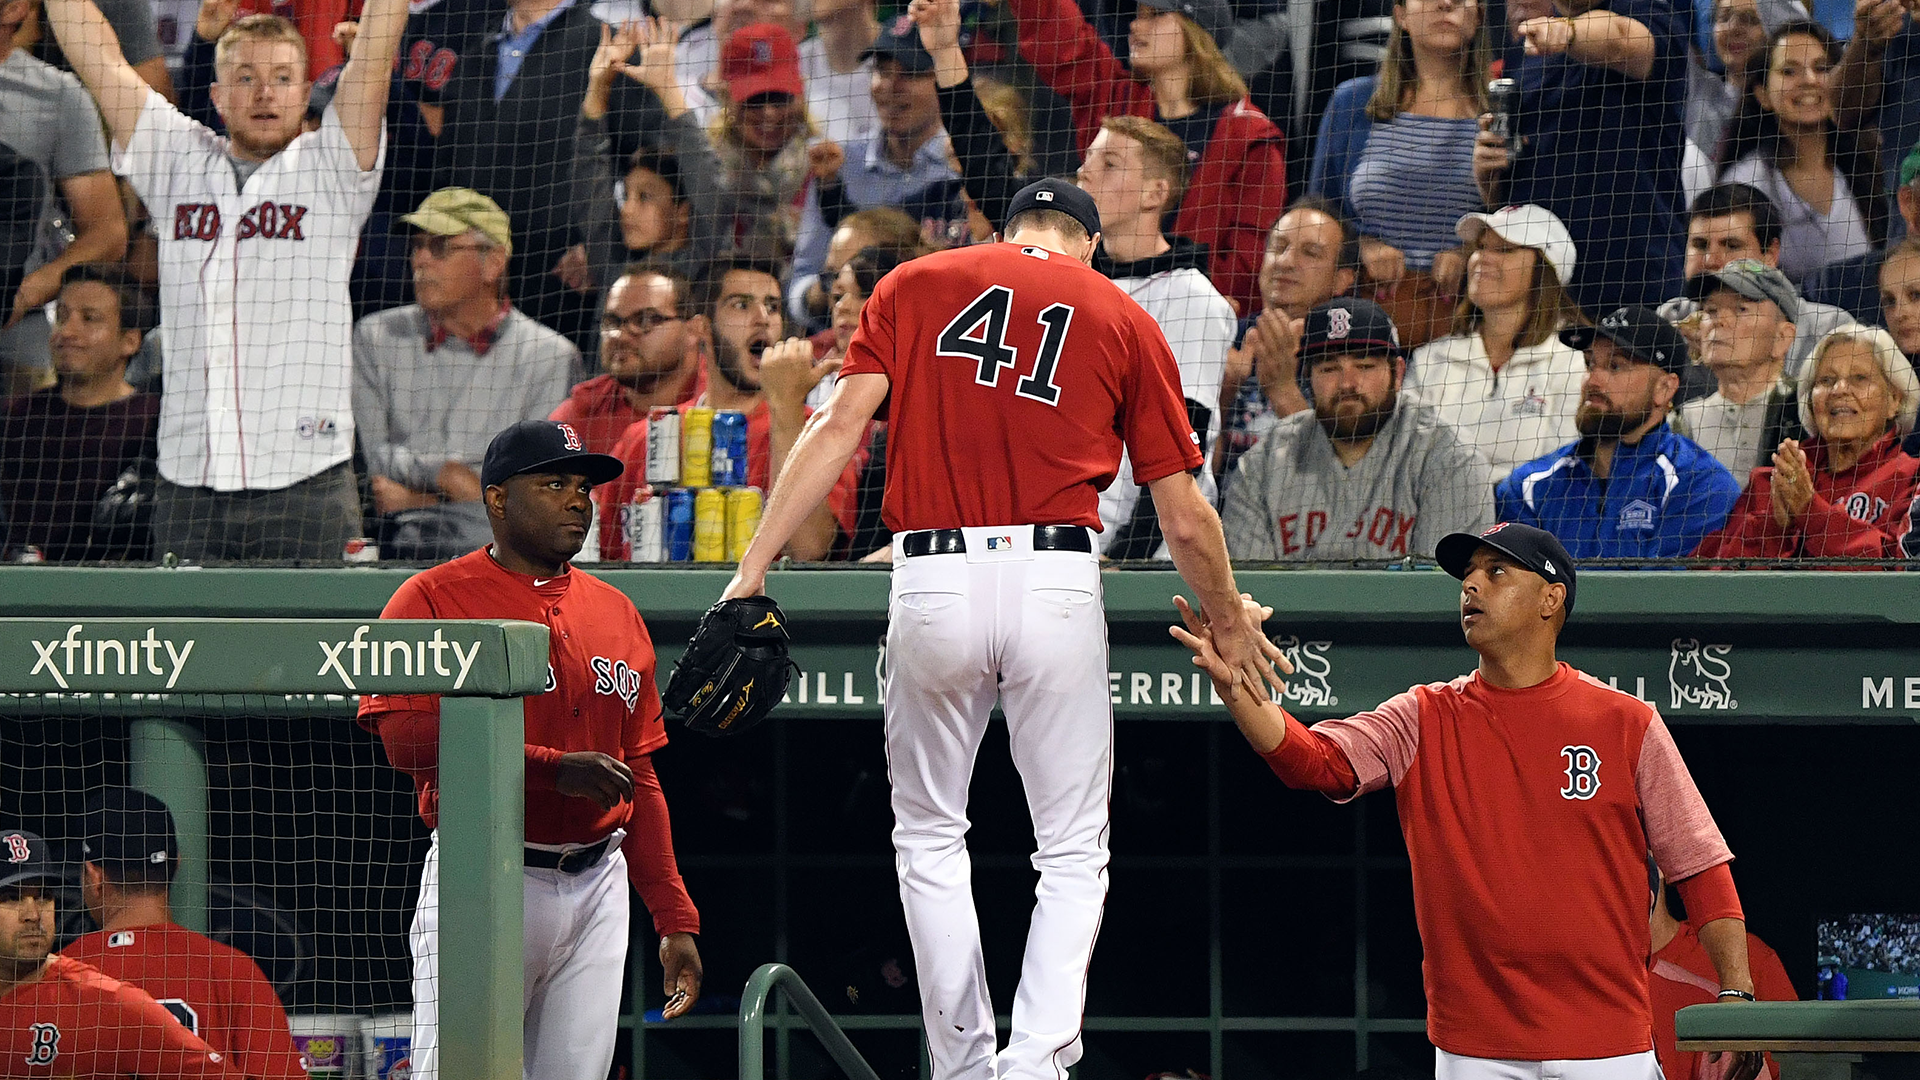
(1629, 487)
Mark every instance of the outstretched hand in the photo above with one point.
(680, 960)
(1267, 662)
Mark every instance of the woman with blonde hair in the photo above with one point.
(1848, 489)
(1415, 118)
(1175, 75)
(1502, 377)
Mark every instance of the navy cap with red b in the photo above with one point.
(1536, 549)
(24, 857)
(547, 446)
(1349, 324)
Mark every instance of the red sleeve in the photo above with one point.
(1311, 762)
(1680, 829)
(260, 1042)
(151, 1043)
(1158, 433)
(1710, 895)
(631, 449)
(649, 850)
(1750, 531)
(1070, 57)
(1830, 531)
(409, 601)
(871, 350)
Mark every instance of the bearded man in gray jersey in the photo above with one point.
(1367, 474)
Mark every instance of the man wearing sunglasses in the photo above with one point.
(434, 380)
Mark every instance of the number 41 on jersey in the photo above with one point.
(979, 333)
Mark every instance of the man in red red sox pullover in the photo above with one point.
(1529, 795)
(595, 815)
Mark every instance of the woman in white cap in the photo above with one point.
(1502, 377)
(1848, 489)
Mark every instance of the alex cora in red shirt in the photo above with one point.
(1530, 795)
(60, 1018)
(215, 991)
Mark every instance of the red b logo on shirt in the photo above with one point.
(1583, 772)
(567, 433)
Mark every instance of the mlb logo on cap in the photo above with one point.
(1043, 196)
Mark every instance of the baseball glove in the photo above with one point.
(735, 669)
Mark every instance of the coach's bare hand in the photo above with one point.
(1196, 635)
(604, 781)
(680, 959)
(1740, 1065)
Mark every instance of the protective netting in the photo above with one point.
(297, 851)
(1657, 338)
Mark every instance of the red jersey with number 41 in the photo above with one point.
(1016, 377)
(74, 1021)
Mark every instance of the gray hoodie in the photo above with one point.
(1292, 500)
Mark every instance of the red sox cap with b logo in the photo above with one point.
(546, 446)
(24, 857)
(1536, 549)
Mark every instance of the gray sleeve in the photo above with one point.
(1244, 518)
(1456, 493)
(370, 410)
(133, 23)
(593, 205)
(700, 180)
(81, 147)
(548, 383)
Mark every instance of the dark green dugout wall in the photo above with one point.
(1252, 932)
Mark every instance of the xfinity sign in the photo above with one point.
(354, 657)
(79, 654)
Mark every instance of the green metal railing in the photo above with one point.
(753, 1009)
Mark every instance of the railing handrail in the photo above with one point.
(753, 1008)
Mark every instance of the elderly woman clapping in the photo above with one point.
(1846, 491)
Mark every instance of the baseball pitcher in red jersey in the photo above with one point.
(214, 990)
(62, 1018)
(1011, 376)
(1530, 794)
(595, 814)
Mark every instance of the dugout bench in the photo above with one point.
(1828, 1039)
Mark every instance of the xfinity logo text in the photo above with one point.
(76, 655)
(356, 656)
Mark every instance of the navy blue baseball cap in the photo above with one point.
(1349, 324)
(1213, 16)
(1061, 195)
(1640, 332)
(127, 826)
(548, 446)
(899, 41)
(25, 857)
(1536, 549)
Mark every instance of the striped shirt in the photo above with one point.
(1413, 182)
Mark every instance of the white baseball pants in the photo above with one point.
(574, 950)
(1026, 628)
(1641, 1066)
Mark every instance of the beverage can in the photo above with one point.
(1503, 103)
(710, 526)
(679, 525)
(663, 445)
(696, 448)
(743, 517)
(361, 549)
(729, 449)
(645, 519)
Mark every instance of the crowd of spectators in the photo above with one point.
(1873, 943)
(269, 281)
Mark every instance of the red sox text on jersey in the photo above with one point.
(268, 221)
(1382, 526)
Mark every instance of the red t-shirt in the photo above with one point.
(215, 990)
(1016, 376)
(599, 410)
(1528, 815)
(73, 1021)
(631, 449)
(1681, 975)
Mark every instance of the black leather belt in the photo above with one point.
(567, 862)
(954, 541)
